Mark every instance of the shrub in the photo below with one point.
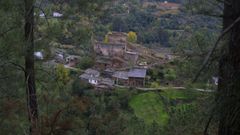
(155, 85)
(132, 37)
(79, 86)
(62, 74)
(86, 62)
(170, 74)
(106, 39)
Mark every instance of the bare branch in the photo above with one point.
(8, 30)
(214, 48)
(40, 8)
(18, 66)
(225, 2)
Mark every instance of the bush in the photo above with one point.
(170, 74)
(62, 74)
(79, 86)
(132, 37)
(86, 62)
(155, 85)
(156, 73)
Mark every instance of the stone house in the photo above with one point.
(108, 73)
(103, 63)
(115, 54)
(120, 77)
(115, 46)
(91, 76)
(109, 49)
(105, 83)
(117, 37)
(118, 62)
(131, 57)
(59, 58)
(72, 61)
(137, 77)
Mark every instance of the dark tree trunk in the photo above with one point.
(229, 73)
(32, 105)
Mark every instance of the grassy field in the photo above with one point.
(174, 94)
(150, 108)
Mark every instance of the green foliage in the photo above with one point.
(150, 108)
(156, 73)
(191, 116)
(118, 24)
(106, 40)
(86, 62)
(170, 74)
(195, 48)
(79, 86)
(132, 37)
(82, 36)
(155, 85)
(95, 112)
(101, 30)
(62, 74)
(175, 94)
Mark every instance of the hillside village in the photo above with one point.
(162, 8)
(116, 61)
(114, 67)
(119, 62)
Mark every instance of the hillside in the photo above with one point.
(116, 67)
(157, 23)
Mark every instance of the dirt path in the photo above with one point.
(166, 88)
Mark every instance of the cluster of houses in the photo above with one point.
(54, 14)
(162, 5)
(67, 60)
(116, 63)
(59, 56)
(134, 77)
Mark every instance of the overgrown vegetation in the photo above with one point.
(70, 106)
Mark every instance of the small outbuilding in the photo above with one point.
(91, 76)
(120, 77)
(137, 77)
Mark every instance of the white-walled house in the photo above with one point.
(91, 76)
(38, 55)
(57, 14)
(42, 15)
(93, 80)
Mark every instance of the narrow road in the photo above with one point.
(165, 88)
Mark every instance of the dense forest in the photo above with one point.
(119, 67)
